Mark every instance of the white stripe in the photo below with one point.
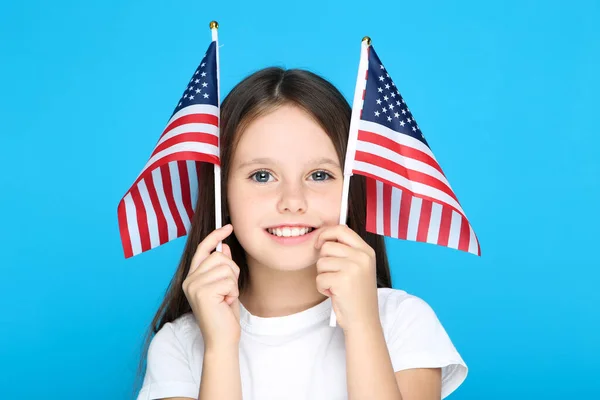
(472, 241)
(151, 219)
(400, 138)
(407, 162)
(194, 109)
(202, 148)
(434, 223)
(415, 187)
(177, 196)
(414, 218)
(380, 216)
(189, 128)
(455, 226)
(193, 176)
(162, 199)
(395, 206)
(132, 226)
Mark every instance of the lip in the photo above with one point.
(292, 240)
(290, 225)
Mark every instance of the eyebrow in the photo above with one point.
(319, 161)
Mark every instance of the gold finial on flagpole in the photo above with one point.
(367, 39)
(214, 24)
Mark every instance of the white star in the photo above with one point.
(198, 90)
(389, 118)
(196, 73)
(385, 98)
(381, 78)
(403, 111)
(378, 101)
(204, 84)
(393, 84)
(391, 106)
(381, 66)
(401, 123)
(191, 88)
(203, 74)
(396, 115)
(202, 65)
(387, 86)
(409, 120)
(386, 74)
(397, 103)
(393, 94)
(384, 110)
(185, 97)
(380, 90)
(377, 113)
(179, 104)
(402, 99)
(197, 80)
(414, 129)
(192, 97)
(206, 95)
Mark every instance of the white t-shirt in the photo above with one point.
(300, 356)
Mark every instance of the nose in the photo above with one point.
(292, 198)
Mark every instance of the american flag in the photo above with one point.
(408, 195)
(160, 204)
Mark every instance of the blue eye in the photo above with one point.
(320, 175)
(261, 176)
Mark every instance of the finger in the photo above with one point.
(218, 272)
(330, 264)
(335, 249)
(325, 283)
(212, 261)
(208, 245)
(342, 234)
(224, 287)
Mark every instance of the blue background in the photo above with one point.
(505, 93)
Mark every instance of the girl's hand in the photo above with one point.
(211, 288)
(346, 272)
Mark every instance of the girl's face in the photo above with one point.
(285, 172)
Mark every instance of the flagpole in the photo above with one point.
(357, 104)
(214, 27)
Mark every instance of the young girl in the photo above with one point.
(252, 321)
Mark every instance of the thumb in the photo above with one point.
(226, 250)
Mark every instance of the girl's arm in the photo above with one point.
(370, 374)
(221, 378)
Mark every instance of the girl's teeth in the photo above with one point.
(289, 232)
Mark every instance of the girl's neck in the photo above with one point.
(274, 293)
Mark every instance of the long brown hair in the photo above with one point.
(256, 95)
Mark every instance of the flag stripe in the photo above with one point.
(387, 199)
(408, 174)
(198, 137)
(200, 119)
(161, 222)
(142, 218)
(171, 227)
(168, 190)
(414, 188)
(405, 206)
(394, 150)
(424, 221)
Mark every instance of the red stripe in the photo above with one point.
(424, 221)
(180, 155)
(409, 174)
(445, 223)
(142, 219)
(387, 210)
(405, 204)
(163, 229)
(465, 235)
(364, 91)
(200, 118)
(404, 189)
(199, 137)
(124, 229)
(371, 206)
(367, 74)
(168, 187)
(403, 150)
(186, 195)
